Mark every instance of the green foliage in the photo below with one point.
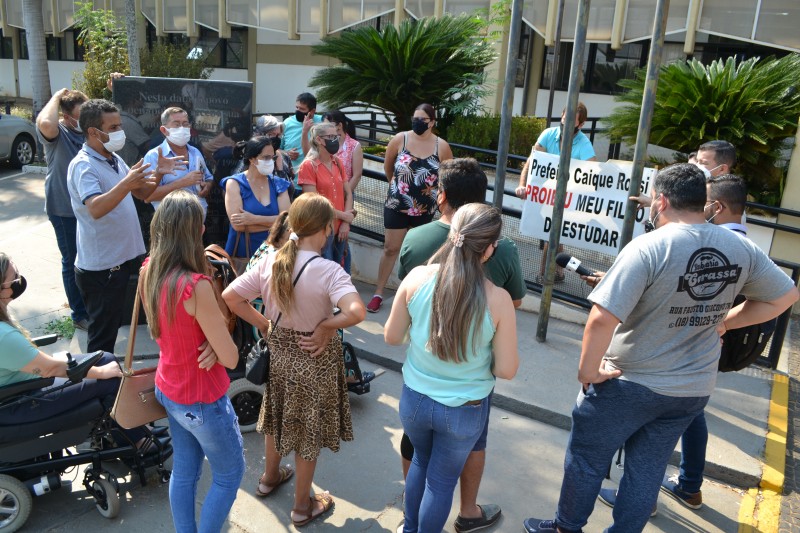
(22, 111)
(63, 327)
(438, 61)
(754, 104)
(167, 60)
(484, 132)
(105, 42)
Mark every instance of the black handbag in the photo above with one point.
(258, 374)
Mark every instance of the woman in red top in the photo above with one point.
(323, 173)
(182, 312)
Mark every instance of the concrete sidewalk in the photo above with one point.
(528, 429)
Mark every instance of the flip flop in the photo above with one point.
(327, 505)
(285, 472)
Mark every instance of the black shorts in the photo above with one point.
(396, 220)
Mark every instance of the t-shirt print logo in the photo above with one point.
(707, 274)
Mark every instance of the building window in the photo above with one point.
(6, 47)
(602, 66)
(222, 53)
(218, 53)
(64, 48)
(23, 45)
(524, 55)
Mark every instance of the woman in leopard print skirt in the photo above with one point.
(305, 404)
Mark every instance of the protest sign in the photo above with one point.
(594, 207)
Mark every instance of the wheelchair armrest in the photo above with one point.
(76, 371)
(18, 388)
(45, 340)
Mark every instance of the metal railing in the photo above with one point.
(371, 194)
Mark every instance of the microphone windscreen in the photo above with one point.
(562, 259)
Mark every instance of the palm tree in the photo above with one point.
(438, 61)
(753, 104)
(33, 20)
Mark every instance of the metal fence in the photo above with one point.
(371, 193)
(372, 129)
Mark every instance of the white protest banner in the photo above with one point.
(594, 207)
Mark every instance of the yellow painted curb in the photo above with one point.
(761, 508)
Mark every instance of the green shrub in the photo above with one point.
(753, 104)
(484, 132)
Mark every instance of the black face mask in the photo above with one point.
(575, 131)
(276, 142)
(419, 126)
(17, 287)
(299, 116)
(332, 146)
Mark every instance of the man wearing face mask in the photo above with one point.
(296, 129)
(195, 178)
(550, 141)
(62, 138)
(109, 239)
(651, 348)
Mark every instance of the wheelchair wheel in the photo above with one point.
(106, 498)
(15, 503)
(246, 399)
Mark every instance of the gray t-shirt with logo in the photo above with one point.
(58, 153)
(670, 289)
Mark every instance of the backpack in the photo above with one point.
(742, 346)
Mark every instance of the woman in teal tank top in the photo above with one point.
(462, 335)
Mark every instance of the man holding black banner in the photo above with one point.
(651, 347)
(549, 141)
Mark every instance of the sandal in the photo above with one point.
(285, 472)
(327, 503)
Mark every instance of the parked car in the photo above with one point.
(17, 140)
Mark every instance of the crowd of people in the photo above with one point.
(645, 377)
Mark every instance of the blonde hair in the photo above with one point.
(176, 252)
(308, 214)
(459, 296)
(316, 131)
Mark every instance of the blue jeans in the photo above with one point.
(66, 229)
(693, 454)
(608, 415)
(203, 430)
(335, 250)
(443, 438)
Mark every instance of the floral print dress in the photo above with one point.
(415, 184)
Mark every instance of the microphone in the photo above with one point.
(573, 264)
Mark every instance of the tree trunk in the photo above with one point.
(133, 41)
(33, 19)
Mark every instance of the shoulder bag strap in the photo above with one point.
(127, 368)
(297, 277)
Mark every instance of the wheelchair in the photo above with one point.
(34, 456)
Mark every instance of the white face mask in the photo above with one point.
(116, 140)
(179, 136)
(265, 167)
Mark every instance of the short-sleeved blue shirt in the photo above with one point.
(196, 162)
(550, 140)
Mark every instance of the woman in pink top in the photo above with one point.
(183, 313)
(305, 404)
